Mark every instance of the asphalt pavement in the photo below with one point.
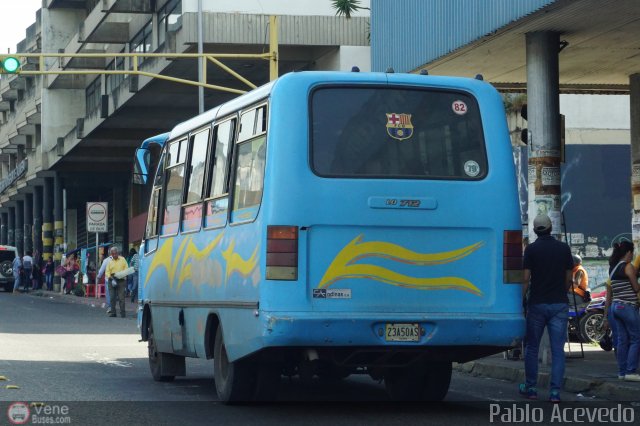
(64, 350)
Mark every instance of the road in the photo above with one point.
(53, 350)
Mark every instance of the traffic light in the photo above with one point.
(9, 64)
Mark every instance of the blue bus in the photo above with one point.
(329, 224)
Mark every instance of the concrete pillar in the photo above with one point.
(543, 108)
(634, 106)
(28, 223)
(37, 219)
(3, 229)
(11, 226)
(18, 232)
(58, 224)
(543, 120)
(47, 219)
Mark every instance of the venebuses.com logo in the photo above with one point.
(20, 413)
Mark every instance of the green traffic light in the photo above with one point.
(11, 64)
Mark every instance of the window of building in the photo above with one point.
(169, 19)
(115, 80)
(192, 211)
(175, 180)
(142, 42)
(216, 209)
(92, 96)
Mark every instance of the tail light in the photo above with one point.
(512, 257)
(282, 253)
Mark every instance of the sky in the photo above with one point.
(17, 16)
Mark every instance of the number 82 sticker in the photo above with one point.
(459, 107)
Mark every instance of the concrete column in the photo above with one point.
(634, 104)
(37, 219)
(543, 106)
(58, 213)
(11, 226)
(28, 223)
(3, 229)
(47, 219)
(18, 232)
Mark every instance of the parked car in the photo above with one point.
(7, 254)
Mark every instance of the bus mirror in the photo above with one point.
(141, 166)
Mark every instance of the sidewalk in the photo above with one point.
(594, 375)
(98, 303)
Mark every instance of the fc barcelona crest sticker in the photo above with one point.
(399, 126)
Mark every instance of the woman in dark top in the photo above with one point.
(622, 298)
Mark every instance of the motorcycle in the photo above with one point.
(591, 327)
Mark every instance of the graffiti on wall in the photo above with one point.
(596, 196)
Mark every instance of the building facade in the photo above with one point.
(66, 140)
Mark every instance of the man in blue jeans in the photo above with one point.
(548, 265)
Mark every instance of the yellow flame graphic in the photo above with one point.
(188, 252)
(235, 263)
(344, 267)
(193, 254)
(162, 259)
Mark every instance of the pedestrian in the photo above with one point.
(103, 269)
(622, 299)
(134, 263)
(27, 269)
(48, 273)
(16, 267)
(580, 281)
(547, 277)
(71, 268)
(116, 285)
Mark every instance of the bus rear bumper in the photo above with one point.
(493, 332)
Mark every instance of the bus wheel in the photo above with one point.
(234, 380)
(416, 383)
(156, 358)
(437, 381)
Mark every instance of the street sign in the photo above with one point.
(97, 217)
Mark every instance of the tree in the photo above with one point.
(347, 7)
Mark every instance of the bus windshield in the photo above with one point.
(396, 133)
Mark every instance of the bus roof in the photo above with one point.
(209, 116)
(262, 92)
(157, 139)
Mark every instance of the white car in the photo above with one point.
(7, 254)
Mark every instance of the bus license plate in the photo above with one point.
(402, 332)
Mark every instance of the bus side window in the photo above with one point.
(172, 202)
(249, 179)
(218, 203)
(249, 172)
(192, 209)
(153, 214)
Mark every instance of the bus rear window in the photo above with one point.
(396, 133)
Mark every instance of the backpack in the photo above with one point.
(26, 264)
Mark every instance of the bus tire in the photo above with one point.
(415, 383)
(438, 379)
(156, 358)
(234, 380)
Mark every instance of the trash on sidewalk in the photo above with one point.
(12, 387)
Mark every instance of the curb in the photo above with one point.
(87, 301)
(597, 387)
